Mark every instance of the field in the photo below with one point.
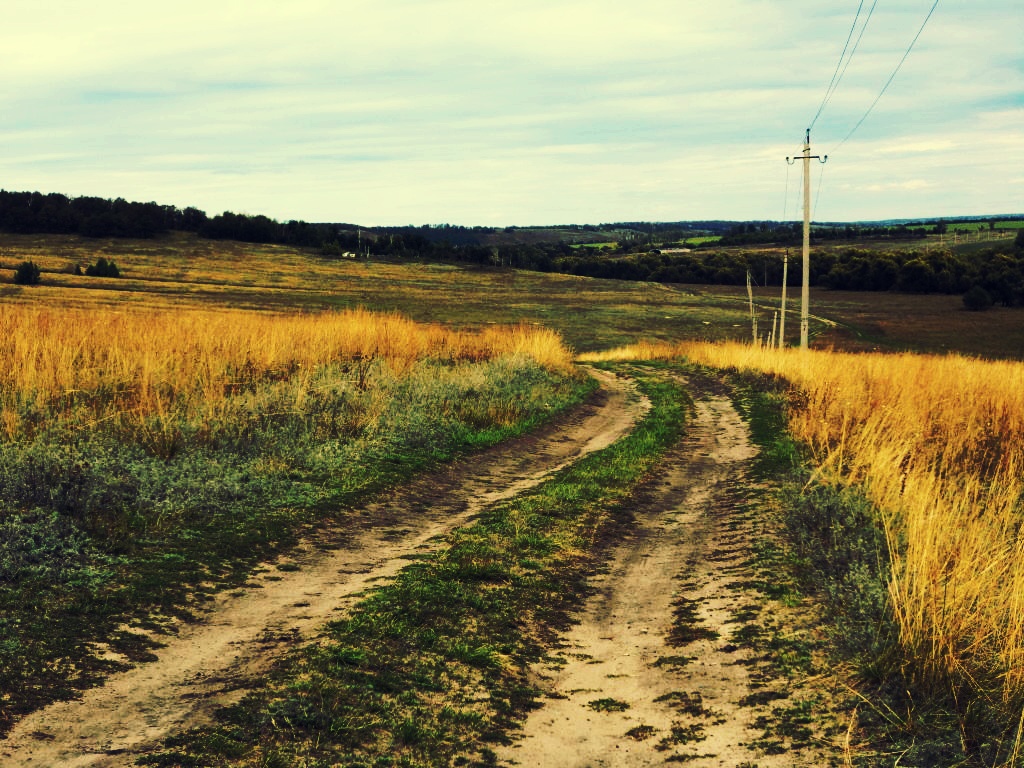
(187, 272)
(182, 431)
(974, 226)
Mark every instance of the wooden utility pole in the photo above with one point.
(782, 319)
(805, 290)
(753, 315)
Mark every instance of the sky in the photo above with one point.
(532, 112)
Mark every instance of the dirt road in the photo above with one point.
(208, 664)
(653, 673)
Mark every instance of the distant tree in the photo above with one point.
(27, 273)
(191, 219)
(978, 299)
(916, 276)
(1019, 242)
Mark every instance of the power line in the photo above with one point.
(891, 77)
(856, 45)
(817, 195)
(832, 85)
(785, 197)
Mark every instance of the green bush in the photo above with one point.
(27, 273)
(838, 536)
(978, 299)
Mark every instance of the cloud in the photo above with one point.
(507, 113)
(923, 145)
(911, 184)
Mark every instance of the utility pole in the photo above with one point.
(805, 290)
(782, 319)
(753, 315)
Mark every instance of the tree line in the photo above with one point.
(37, 213)
(999, 270)
(783, 233)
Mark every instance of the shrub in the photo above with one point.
(978, 299)
(27, 273)
(103, 268)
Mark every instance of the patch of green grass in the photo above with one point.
(688, 703)
(608, 705)
(760, 698)
(681, 734)
(786, 729)
(686, 626)
(673, 661)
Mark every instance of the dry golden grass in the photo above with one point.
(938, 444)
(90, 366)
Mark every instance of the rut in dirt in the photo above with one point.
(212, 663)
(652, 674)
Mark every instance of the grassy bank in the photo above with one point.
(155, 457)
(432, 669)
(909, 523)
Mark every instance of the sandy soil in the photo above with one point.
(624, 691)
(210, 663)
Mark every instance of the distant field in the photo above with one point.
(610, 244)
(972, 226)
(186, 271)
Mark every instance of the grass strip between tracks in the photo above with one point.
(432, 668)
